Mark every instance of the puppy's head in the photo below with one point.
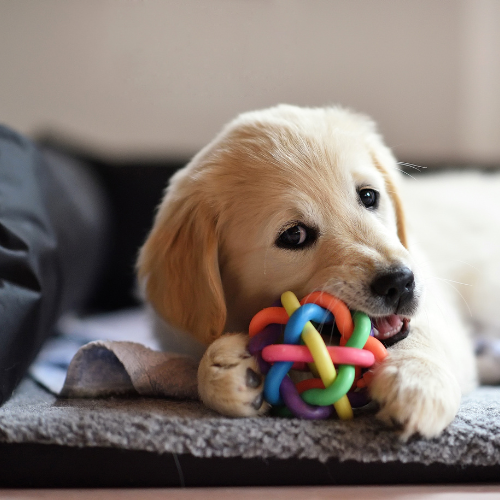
(283, 199)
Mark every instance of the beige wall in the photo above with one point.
(161, 77)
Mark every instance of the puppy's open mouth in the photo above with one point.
(390, 329)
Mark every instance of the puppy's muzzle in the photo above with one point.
(395, 288)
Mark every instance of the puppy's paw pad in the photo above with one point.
(229, 380)
(253, 379)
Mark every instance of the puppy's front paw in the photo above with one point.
(416, 393)
(229, 379)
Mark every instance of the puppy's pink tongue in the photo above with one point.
(387, 326)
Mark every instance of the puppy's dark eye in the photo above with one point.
(296, 237)
(369, 197)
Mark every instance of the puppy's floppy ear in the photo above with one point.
(178, 266)
(386, 164)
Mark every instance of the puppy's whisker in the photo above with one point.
(441, 312)
(451, 281)
(320, 328)
(331, 284)
(410, 165)
(465, 263)
(406, 173)
(463, 298)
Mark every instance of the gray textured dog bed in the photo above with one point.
(188, 434)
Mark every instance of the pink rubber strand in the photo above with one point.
(299, 353)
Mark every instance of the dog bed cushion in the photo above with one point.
(182, 440)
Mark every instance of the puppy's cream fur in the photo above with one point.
(211, 262)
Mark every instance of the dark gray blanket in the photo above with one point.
(175, 426)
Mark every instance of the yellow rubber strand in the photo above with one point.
(323, 362)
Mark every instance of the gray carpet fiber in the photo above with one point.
(169, 426)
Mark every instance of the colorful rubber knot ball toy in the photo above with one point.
(303, 348)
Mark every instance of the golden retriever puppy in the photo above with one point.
(302, 199)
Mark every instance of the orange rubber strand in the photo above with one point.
(342, 315)
(266, 317)
(365, 380)
(376, 348)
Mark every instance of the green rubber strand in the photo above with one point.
(281, 411)
(346, 373)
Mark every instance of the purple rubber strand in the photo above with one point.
(270, 335)
(299, 407)
(358, 399)
(264, 366)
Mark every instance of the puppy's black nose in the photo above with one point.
(395, 287)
